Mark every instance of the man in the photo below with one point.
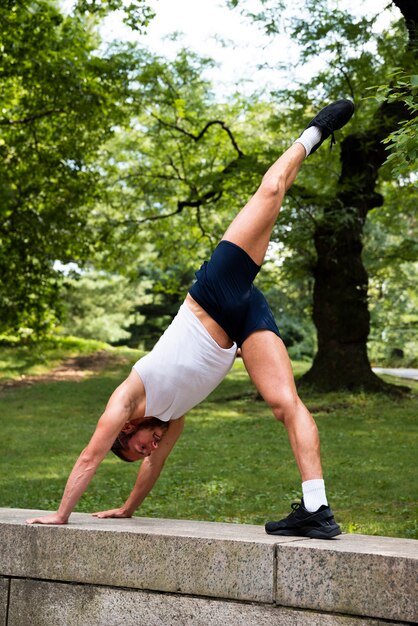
(222, 311)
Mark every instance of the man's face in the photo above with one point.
(142, 443)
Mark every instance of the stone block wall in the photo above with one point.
(157, 572)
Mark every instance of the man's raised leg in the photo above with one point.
(252, 227)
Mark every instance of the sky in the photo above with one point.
(205, 24)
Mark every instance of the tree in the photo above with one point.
(177, 159)
(175, 171)
(60, 101)
(340, 310)
(177, 174)
(98, 305)
(340, 298)
(390, 253)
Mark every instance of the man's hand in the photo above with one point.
(47, 519)
(112, 513)
(148, 474)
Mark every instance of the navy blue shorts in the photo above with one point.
(224, 289)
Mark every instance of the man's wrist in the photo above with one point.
(128, 510)
(62, 517)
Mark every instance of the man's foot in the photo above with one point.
(319, 525)
(331, 118)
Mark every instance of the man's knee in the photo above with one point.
(285, 406)
(272, 186)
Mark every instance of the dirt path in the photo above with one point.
(74, 369)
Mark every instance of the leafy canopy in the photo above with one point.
(60, 101)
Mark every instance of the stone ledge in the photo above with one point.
(358, 574)
(198, 558)
(35, 603)
(371, 577)
(4, 595)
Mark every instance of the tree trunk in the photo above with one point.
(340, 308)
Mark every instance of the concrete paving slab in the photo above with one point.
(199, 558)
(354, 574)
(35, 603)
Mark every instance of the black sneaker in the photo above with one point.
(319, 525)
(332, 118)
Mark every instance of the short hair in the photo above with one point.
(121, 442)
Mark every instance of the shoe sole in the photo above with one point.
(312, 533)
(321, 534)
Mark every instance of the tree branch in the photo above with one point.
(30, 118)
(346, 78)
(213, 195)
(199, 136)
(202, 228)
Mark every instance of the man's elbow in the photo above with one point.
(89, 460)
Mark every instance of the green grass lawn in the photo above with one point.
(233, 463)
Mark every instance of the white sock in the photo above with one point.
(309, 138)
(314, 494)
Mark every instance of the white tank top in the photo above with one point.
(183, 368)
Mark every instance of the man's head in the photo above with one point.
(137, 440)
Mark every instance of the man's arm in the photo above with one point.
(149, 472)
(120, 408)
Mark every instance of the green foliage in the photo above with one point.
(289, 294)
(60, 100)
(268, 16)
(99, 306)
(119, 309)
(403, 143)
(137, 14)
(180, 170)
(178, 175)
(355, 54)
(171, 170)
(162, 292)
(214, 472)
(391, 256)
(127, 164)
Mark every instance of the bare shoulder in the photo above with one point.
(131, 393)
(134, 384)
(176, 426)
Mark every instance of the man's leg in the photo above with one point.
(251, 229)
(264, 353)
(268, 365)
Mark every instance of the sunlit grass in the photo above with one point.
(37, 359)
(232, 464)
